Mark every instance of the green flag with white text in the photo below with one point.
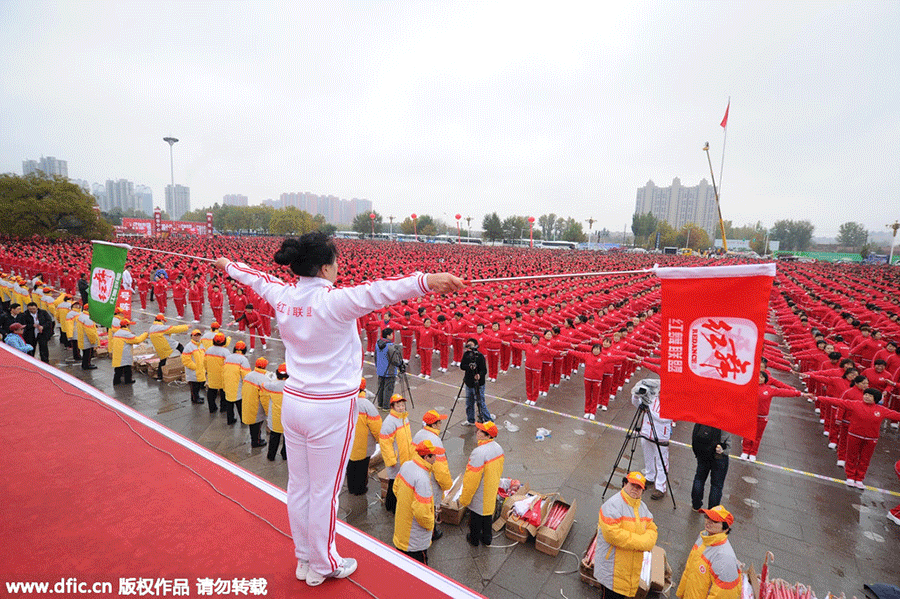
(107, 266)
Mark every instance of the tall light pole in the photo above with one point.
(590, 223)
(469, 225)
(172, 141)
(391, 218)
(895, 226)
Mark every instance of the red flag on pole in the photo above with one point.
(724, 122)
(713, 327)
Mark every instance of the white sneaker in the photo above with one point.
(587, 416)
(264, 347)
(195, 321)
(302, 570)
(850, 482)
(841, 463)
(467, 423)
(832, 445)
(250, 351)
(604, 408)
(860, 484)
(810, 400)
(348, 567)
(893, 518)
(593, 417)
(743, 456)
(895, 425)
(752, 458)
(818, 411)
(821, 421)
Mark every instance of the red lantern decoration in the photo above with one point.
(458, 216)
(531, 230)
(372, 220)
(415, 229)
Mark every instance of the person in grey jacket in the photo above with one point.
(388, 358)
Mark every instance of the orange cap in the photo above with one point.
(426, 447)
(362, 384)
(637, 478)
(488, 427)
(161, 317)
(261, 362)
(215, 325)
(719, 514)
(240, 345)
(282, 368)
(397, 397)
(432, 416)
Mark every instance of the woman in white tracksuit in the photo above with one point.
(323, 354)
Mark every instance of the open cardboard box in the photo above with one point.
(518, 529)
(586, 572)
(658, 577)
(451, 511)
(383, 479)
(507, 506)
(548, 540)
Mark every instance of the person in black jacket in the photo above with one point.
(710, 447)
(38, 329)
(83, 287)
(474, 366)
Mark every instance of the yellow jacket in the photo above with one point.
(252, 408)
(414, 517)
(194, 359)
(215, 363)
(86, 330)
(711, 570)
(158, 332)
(368, 428)
(482, 478)
(272, 395)
(121, 341)
(395, 440)
(236, 367)
(626, 531)
(440, 471)
(69, 325)
(60, 309)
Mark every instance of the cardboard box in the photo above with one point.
(173, 365)
(518, 529)
(506, 507)
(383, 479)
(656, 575)
(451, 511)
(168, 378)
(548, 540)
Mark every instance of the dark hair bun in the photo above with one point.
(289, 251)
(307, 254)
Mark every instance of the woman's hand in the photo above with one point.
(442, 282)
(221, 263)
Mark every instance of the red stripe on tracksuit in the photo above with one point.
(351, 417)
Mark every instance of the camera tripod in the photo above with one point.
(482, 417)
(633, 434)
(404, 382)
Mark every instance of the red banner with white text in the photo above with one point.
(713, 327)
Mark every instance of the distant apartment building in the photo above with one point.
(234, 199)
(679, 205)
(119, 194)
(48, 165)
(336, 211)
(179, 202)
(143, 199)
(84, 185)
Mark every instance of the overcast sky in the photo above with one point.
(441, 108)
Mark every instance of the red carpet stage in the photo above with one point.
(93, 492)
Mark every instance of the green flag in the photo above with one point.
(107, 266)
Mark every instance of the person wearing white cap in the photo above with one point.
(625, 531)
(712, 568)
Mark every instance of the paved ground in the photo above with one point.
(792, 502)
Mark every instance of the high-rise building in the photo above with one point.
(49, 165)
(335, 210)
(84, 185)
(119, 194)
(143, 198)
(179, 203)
(678, 205)
(234, 199)
(99, 192)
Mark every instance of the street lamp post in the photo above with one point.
(895, 226)
(531, 230)
(469, 225)
(172, 141)
(458, 216)
(415, 228)
(372, 218)
(391, 218)
(590, 223)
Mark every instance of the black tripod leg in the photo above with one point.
(449, 418)
(630, 435)
(662, 461)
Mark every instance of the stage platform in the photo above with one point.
(99, 499)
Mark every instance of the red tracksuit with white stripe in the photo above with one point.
(534, 359)
(317, 323)
(764, 402)
(862, 434)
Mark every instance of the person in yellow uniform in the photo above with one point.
(395, 440)
(236, 367)
(120, 349)
(440, 474)
(273, 392)
(215, 379)
(414, 518)
(193, 357)
(625, 531)
(253, 412)
(207, 338)
(61, 307)
(88, 338)
(712, 568)
(368, 428)
(159, 330)
(480, 483)
(71, 329)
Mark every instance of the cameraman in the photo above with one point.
(655, 467)
(475, 368)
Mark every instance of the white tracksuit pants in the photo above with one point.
(653, 466)
(318, 435)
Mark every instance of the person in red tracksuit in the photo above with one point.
(215, 302)
(238, 305)
(835, 382)
(179, 295)
(195, 296)
(865, 347)
(143, 288)
(425, 346)
(854, 393)
(535, 355)
(890, 356)
(458, 329)
(160, 289)
(252, 320)
(865, 418)
(491, 342)
(442, 341)
(764, 397)
(506, 334)
(596, 365)
(894, 514)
